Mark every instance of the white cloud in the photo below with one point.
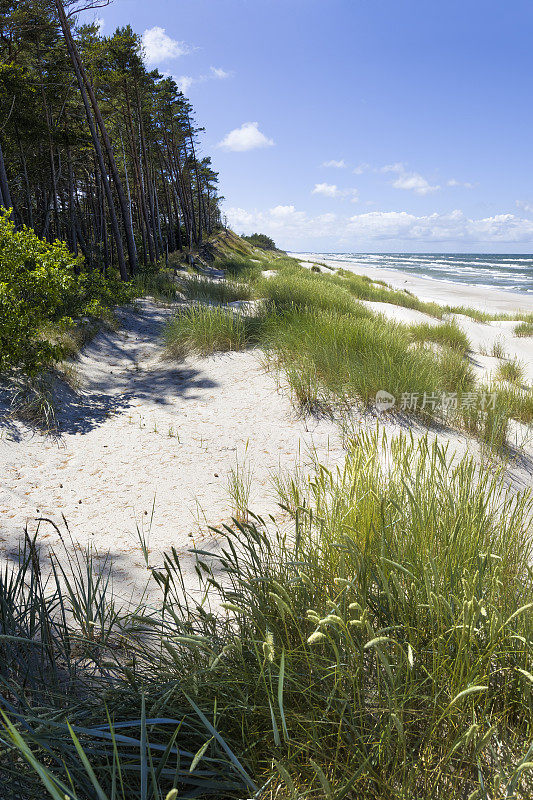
(332, 190)
(158, 46)
(100, 23)
(397, 167)
(410, 181)
(463, 184)
(300, 230)
(221, 74)
(360, 168)
(185, 82)
(247, 137)
(327, 189)
(336, 164)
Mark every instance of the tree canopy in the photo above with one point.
(95, 149)
(261, 240)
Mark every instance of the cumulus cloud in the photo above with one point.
(159, 46)
(336, 164)
(327, 189)
(377, 228)
(247, 137)
(360, 168)
(100, 23)
(332, 190)
(411, 181)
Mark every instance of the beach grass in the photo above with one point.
(379, 648)
(208, 290)
(299, 288)
(512, 371)
(446, 333)
(349, 358)
(336, 353)
(364, 288)
(207, 329)
(524, 329)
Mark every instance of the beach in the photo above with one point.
(483, 298)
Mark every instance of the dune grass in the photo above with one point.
(446, 333)
(335, 352)
(204, 289)
(350, 357)
(364, 288)
(241, 269)
(208, 329)
(299, 288)
(511, 371)
(380, 648)
(524, 329)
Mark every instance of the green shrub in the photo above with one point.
(42, 283)
(260, 240)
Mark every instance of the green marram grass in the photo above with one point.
(511, 371)
(447, 333)
(524, 328)
(377, 646)
(209, 290)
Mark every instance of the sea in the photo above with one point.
(510, 272)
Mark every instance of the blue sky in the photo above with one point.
(426, 106)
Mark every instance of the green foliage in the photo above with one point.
(43, 283)
(240, 268)
(511, 371)
(260, 240)
(350, 357)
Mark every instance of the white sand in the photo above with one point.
(149, 434)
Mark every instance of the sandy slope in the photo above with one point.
(149, 443)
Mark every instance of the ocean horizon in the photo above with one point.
(509, 272)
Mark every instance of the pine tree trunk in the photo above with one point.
(82, 75)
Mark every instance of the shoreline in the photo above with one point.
(434, 290)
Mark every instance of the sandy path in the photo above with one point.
(145, 435)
